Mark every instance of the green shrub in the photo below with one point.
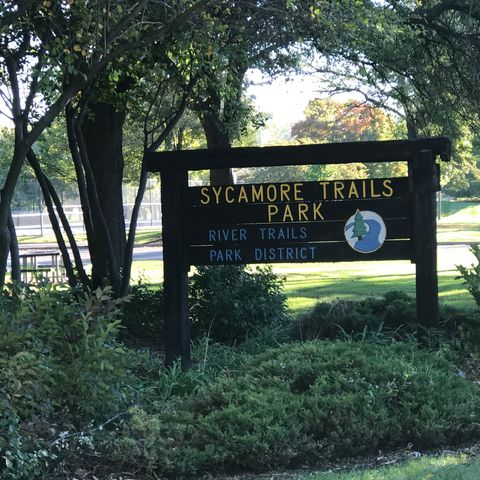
(303, 404)
(229, 303)
(360, 397)
(144, 315)
(60, 370)
(392, 316)
(472, 275)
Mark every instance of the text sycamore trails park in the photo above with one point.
(240, 216)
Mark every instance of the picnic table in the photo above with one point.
(40, 263)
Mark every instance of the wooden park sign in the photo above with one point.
(320, 221)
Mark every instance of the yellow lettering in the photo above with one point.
(257, 195)
(388, 190)
(297, 191)
(242, 195)
(204, 193)
(272, 211)
(271, 193)
(316, 211)
(364, 190)
(372, 187)
(302, 212)
(216, 192)
(229, 199)
(338, 186)
(353, 190)
(285, 192)
(324, 186)
(287, 214)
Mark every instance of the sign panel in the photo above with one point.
(339, 220)
(299, 222)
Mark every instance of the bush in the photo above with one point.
(144, 315)
(472, 275)
(229, 303)
(392, 316)
(60, 370)
(303, 404)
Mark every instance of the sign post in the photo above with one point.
(321, 221)
(425, 185)
(175, 267)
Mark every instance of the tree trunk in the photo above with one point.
(80, 176)
(102, 132)
(16, 275)
(217, 138)
(412, 133)
(82, 275)
(14, 254)
(127, 263)
(19, 155)
(42, 180)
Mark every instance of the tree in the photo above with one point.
(416, 58)
(48, 55)
(328, 120)
(152, 93)
(251, 35)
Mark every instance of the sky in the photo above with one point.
(283, 99)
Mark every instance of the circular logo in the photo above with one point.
(365, 231)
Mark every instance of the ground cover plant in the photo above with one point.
(267, 397)
(303, 403)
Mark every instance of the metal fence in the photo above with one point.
(35, 221)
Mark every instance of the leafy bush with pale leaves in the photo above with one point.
(61, 369)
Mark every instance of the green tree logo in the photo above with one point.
(359, 227)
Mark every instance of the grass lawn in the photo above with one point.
(143, 237)
(147, 271)
(308, 283)
(460, 222)
(304, 289)
(460, 212)
(439, 468)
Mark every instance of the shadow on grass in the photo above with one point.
(451, 291)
